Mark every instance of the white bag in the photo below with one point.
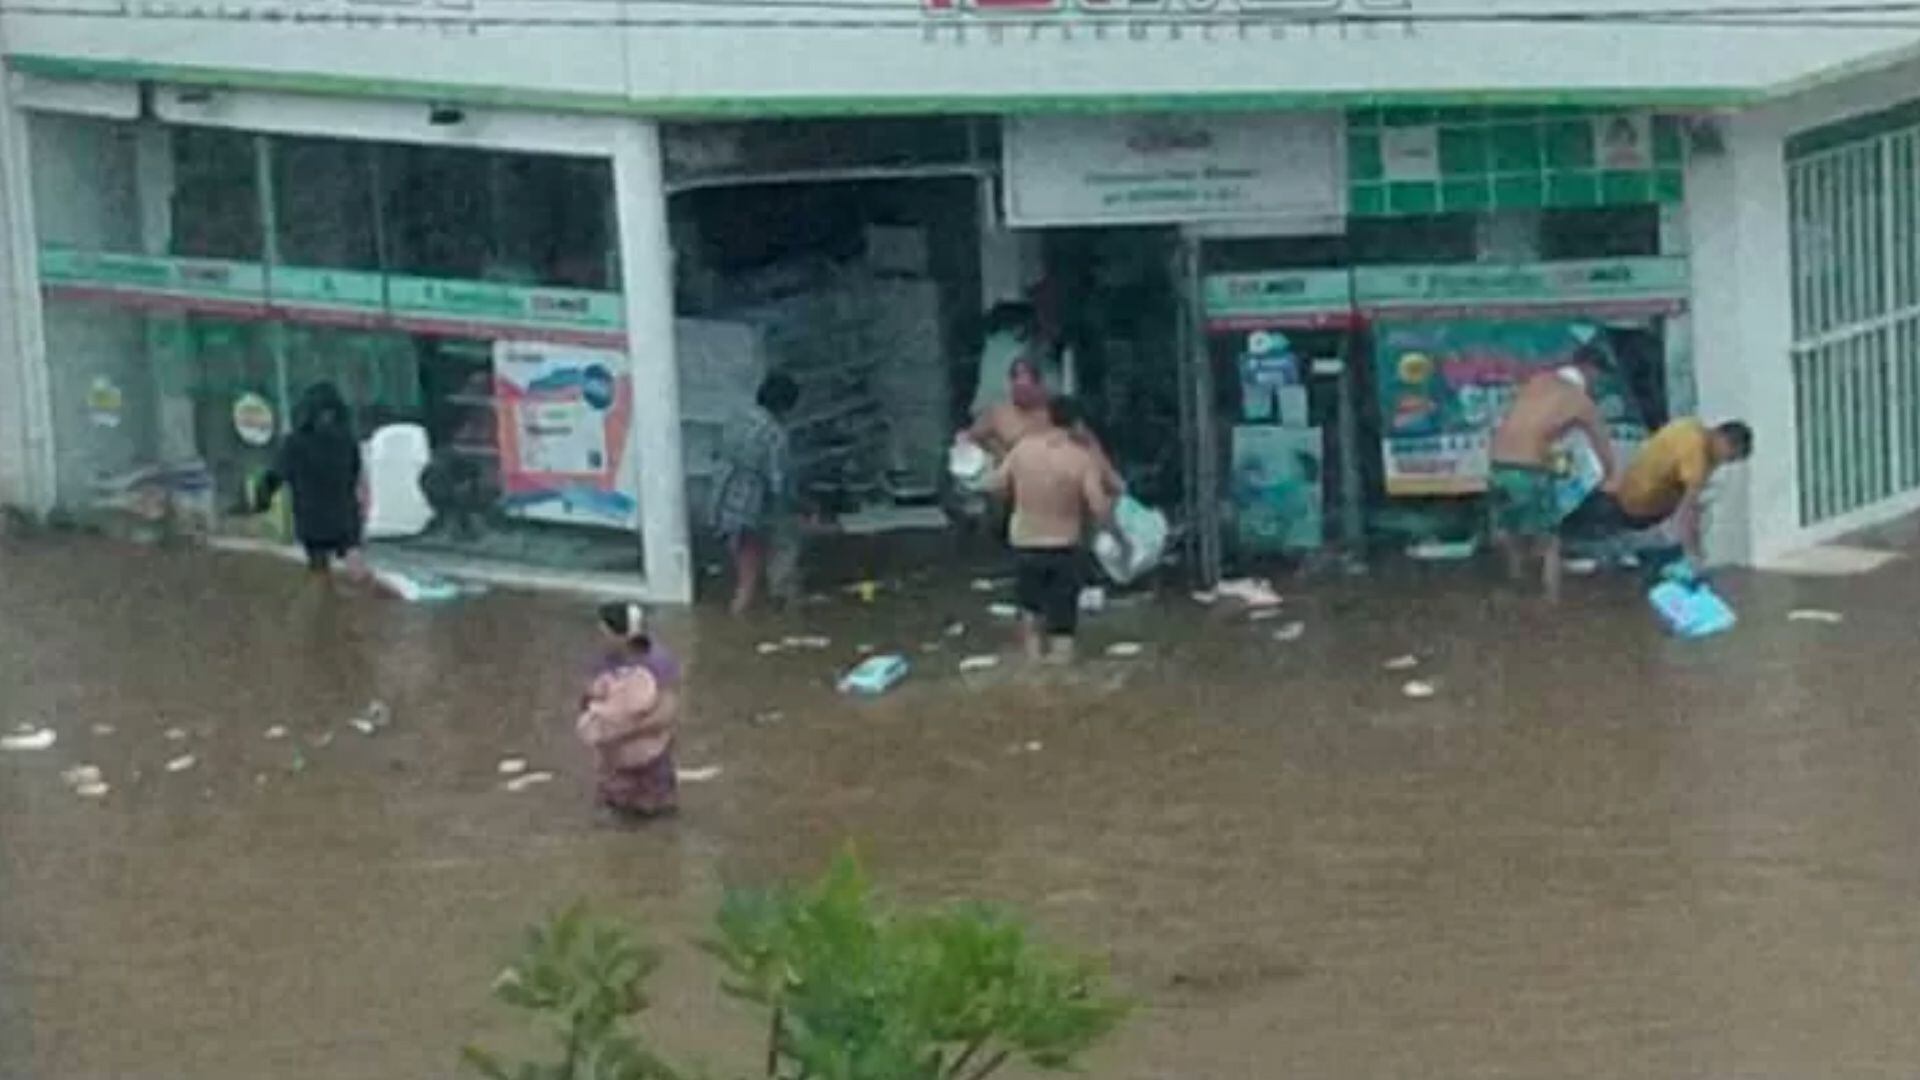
(969, 465)
(1146, 531)
(395, 457)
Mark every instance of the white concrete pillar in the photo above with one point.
(646, 286)
(26, 423)
(1742, 332)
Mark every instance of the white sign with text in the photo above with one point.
(1171, 168)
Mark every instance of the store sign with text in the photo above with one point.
(1171, 168)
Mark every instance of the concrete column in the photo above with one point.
(26, 423)
(646, 286)
(1737, 234)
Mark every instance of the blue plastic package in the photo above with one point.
(875, 675)
(1690, 608)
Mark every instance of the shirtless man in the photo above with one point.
(1058, 487)
(1521, 483)
(1005, 423)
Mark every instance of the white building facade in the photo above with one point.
(558, 210)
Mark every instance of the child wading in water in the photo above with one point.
(629, 717)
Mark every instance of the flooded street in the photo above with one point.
(1594, 852)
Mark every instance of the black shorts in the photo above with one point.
(1602, 515)
(322, 553)
(1046, 585)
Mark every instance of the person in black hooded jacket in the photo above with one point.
(320, 462)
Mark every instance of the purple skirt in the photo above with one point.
(647, 790)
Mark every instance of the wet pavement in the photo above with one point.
(1594, 852)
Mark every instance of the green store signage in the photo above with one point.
(1281, 298)
(1656, 282)
(295, 293)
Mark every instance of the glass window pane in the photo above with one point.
(324, 204)
(85, 191)
(216, 198)
(520, 219)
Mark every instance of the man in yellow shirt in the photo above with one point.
(1670, 473)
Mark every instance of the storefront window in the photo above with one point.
(216, 195)
(325, 210)
(509, 218)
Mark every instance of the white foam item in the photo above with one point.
(1253, 592)
(698, 776)
(415, 588)
(395, 457)
(30, 739)
(1146, 531)
(1816, 615)
(974, 664)
(969, 464)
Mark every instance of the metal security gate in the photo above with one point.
(1854, 197)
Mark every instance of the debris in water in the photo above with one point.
(1093, 600)
(512, 766)
(1035, 746)
(1290, 633)
(104, 729)
(322, 740)
(1582, 567)
(1260, 615)
(522, 783)
(1443, 550)
(767, 648)
(298, 764)
(875, 675)
(1125, 650)
(813, 642)
(1003, 611)
(767, 718)
(362, 725)
(81, 774)
(29, 738)
(988, 585)
(974, 664)
(956, 628)
(698, 776)
(96, 789)
(275, 733)
(175, 734)
(1816, 615)
(1418, 690)
(1402, 663)
(182, 763)
(1253, 592)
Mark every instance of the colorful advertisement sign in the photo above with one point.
(565, 427)
(1444, 384)
(1276, 488)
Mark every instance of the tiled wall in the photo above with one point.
(1501, 158)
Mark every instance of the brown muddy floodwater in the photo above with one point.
(1595, 852)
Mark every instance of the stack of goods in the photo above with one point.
(912, 383)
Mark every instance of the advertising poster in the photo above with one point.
(1276, 488)
(565, 421)
(1444, 385)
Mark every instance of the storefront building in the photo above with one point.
(564, 243)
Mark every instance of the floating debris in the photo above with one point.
(29, 738)
(701, 775)
(875, 675)
(81, 774)
(1034, 747)
(1582, 567)
(767, 718)
(768, 648)
(363, 725)
(973, 664)
(1003, 611)
(512, 766)
(1253, 592)
(175, 734)
(1402, 663)
(811, 642)
(1125, 650)
(321, 741)
(1816, 615)
(989, 585)
(94, 789)
(1290, 633)
(275, 733)
(532, 779)
(1260, 615)
(1093, 600)
(956, 628)
(104, 729)
(182, 763)
(1419, 690)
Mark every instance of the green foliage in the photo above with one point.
(860, 990)
(581, 977)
